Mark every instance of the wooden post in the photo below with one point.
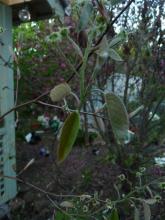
(7, 130)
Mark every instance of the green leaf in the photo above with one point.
(61, 216)
(150, 201)
(85, 16)
(76, 47)
(59, 10)
(118, 116)
(100, 61)
(114, 55)
(103, 50)
(115, 41)
(66, 204)
(136, 214)
(98, 122)
(114, 215)
(147, 211)
(68, 136)
(136, 111)
(118, 39)
(59, 92)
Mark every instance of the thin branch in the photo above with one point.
(23, 104)
(71, 110)
(56, 206)
(38, 188)
(36, 100)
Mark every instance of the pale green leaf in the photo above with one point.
(99, 62)
(98, 122)
(59, 92)
(85, 16)
(66, 204)
(59, 10)
(136, 214)
(76, 47)
(103, 50)
(147, 211)
(114, 41)
(114, 215)
(136, 111)
(151, 201)
(118, 39)
(149, 191)
(68, 135)
(118, 116)
(114, 55)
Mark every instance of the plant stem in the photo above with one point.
(82, 75)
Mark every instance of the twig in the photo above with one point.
(56, 206)
(71, 110)
(23, 104)
(26, 167)
(37, 188)
(36, 100)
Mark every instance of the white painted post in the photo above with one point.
(7, 130)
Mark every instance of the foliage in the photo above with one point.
(59, 92)
(81, 53)
(118, 116)
(68, 135)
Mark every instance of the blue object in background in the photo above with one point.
(44, 152)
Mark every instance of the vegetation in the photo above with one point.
(100, 69)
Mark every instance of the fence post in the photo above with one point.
(7, 128)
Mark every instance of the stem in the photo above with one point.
(126, 84)
(82, 75)
(71, 110)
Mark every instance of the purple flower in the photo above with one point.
(63, 65)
